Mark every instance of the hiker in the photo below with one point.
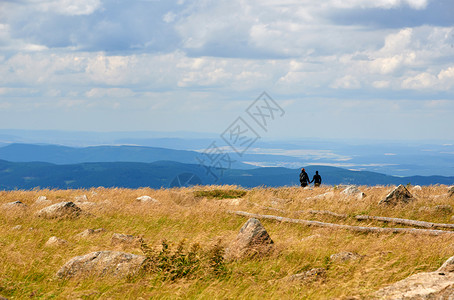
(304, 178)
(317, 179)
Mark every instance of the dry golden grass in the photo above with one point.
(28, 267)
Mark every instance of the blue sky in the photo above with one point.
(356, 69)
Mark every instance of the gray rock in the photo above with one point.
(416, 189)
(60, 210)
(55, 241)
(14, 205)
(252, 240)
(89, 232)
(81, 198)
(430, 285)
(147, 199)
(398, 195)
(43, 200)
(102, 263)
(352, 190)
(125, 239)
(345, 256)
(451, 191)
(447, 266)
(312, 274)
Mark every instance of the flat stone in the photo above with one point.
(14, 205)
(430, 285)
(89, 232)
(102, 263)
(312, 274)
(55, 241)
(81, 198)
(60, 210)
(124, 239)
(345, 256)
(147, 199)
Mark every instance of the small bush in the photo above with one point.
(182, 263)
(220, 194)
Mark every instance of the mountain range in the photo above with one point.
(165, 174)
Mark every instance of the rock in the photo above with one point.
(124, 239)
(60, 210)
(55, 241)
(352, 190)
(81, 198)
(416, 189)
(42, 200)
(102, 263)
(322, 196)
(345, 256)
(447, 266)
(147, 199)
(88, 232)
(14, 205)
(17, 227)
(430, 285)
(312, 274)
(252, 240)
(451, 191)
(398, 195)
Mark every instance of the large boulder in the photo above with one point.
(102, 263)
(428, 285)
(252, 240)
(398, 195)
(60, 210)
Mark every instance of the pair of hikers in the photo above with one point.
(304, 179)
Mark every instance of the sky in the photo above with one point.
(353, 69)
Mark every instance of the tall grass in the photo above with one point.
(28, 266)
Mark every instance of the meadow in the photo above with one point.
(201, 215)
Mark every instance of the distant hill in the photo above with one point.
(26, 175)
(70, 155)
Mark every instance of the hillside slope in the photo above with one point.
(159, 174)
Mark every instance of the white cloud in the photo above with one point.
(387, 4)
(110, 92)
(67, 7)
(346, 82)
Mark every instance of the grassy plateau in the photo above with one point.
(199, 215)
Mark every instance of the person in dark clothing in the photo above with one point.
(304, 178)
(317, 179)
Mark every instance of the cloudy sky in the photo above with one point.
(338, 68)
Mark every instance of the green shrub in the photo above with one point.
(220, 194)
(183, 263)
